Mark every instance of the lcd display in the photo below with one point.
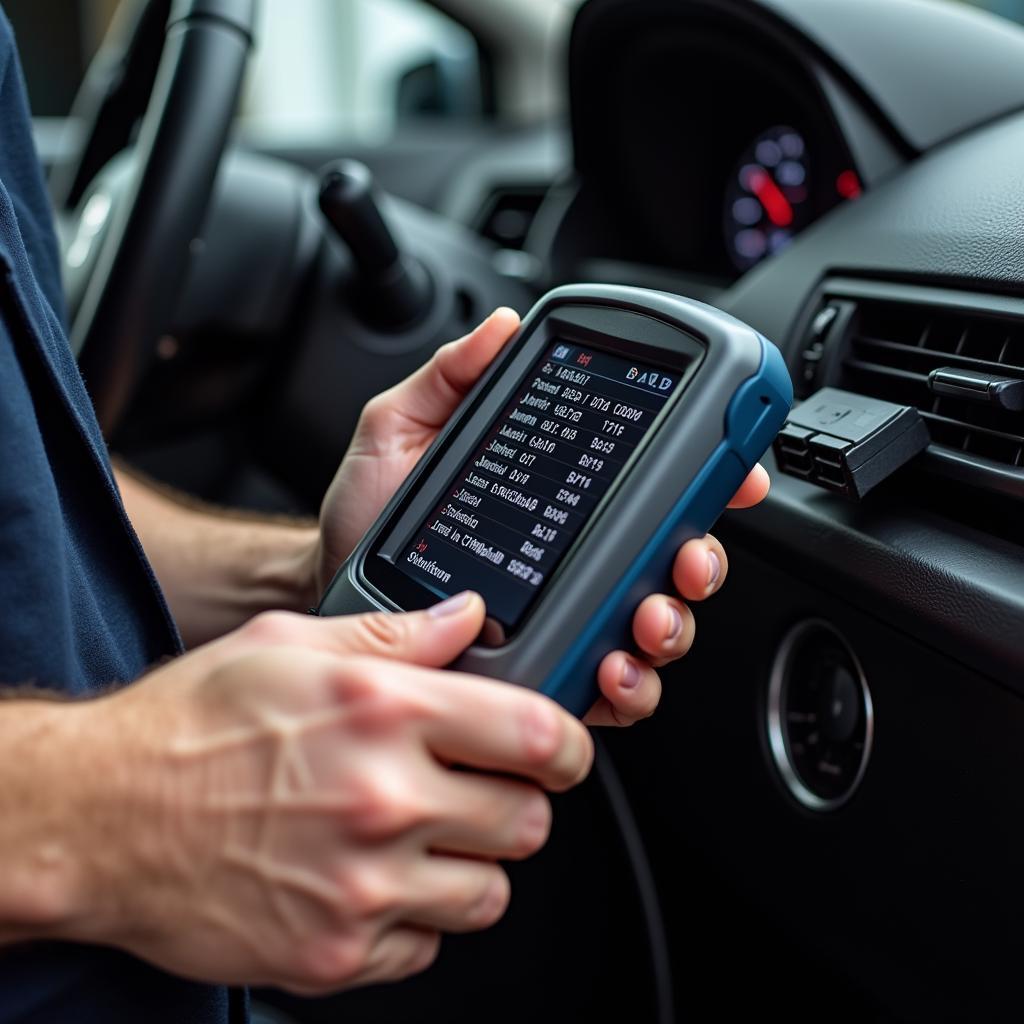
(518, 503)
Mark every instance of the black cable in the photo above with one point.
(650, 906)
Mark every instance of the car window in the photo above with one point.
(356, 68)
(353, 68)
(359, 68)
(1013, 9)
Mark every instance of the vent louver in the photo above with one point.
(892, 347)
(508, 214)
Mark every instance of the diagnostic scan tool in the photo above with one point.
(613, 427)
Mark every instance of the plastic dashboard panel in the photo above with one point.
(953, 217)
(956, 587)
(923, 97)
(910, 893)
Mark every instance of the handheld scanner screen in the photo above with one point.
(529, 488)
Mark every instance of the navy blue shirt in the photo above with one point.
(79, 605)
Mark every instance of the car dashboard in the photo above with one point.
(855, 193)
(708, 147)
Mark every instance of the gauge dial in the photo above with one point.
(767, 200)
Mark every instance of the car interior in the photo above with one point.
(823, 821)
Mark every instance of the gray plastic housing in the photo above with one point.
(677, 484)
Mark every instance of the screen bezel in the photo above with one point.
(664, 346)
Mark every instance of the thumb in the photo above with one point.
(432, 393)
(432, 638)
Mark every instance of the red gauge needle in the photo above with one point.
(775, 204)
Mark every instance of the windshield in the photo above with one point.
(394, 47)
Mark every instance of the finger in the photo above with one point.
(663, 628)
(753, 490)
(433, 638)
(432, 393)
(469, 720)
(700, 568)
(630, 690)
(503, 728)
(481, 816)
(400, 953)
(456, 894)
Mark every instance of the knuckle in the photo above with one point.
(381, 808)
(377, 420)
(381, 631)
(534, 827)
(365, 891)
(489, 908)
(373, 414)
(375, 704)
(328, 962)
(414, 957)
(270, 627)
(423, 955)
(582, 763)
(544, 733)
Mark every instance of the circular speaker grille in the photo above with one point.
(820, 716)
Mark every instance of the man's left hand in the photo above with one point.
(396, 428)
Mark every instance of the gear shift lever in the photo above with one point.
(392, 291)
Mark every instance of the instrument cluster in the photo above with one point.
(702, 146)
(774, 192)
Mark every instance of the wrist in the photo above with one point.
(293, 571)
(47, 881)
(238, 569)
(122, 798)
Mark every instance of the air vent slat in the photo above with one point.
(935, 358)
(888, 371)
(892, 346)
(932, 417)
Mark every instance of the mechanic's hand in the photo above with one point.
(281, 806)
(663, 625)
(397, 427)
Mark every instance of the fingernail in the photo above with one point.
(675, 623)
(630, 674)
(451, 606)
(714, 568)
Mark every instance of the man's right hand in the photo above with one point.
(283, 807)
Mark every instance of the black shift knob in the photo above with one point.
(392, 290)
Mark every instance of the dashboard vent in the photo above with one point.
(883, 339)
(508, 213)
(894, 346)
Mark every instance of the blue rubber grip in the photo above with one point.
(755, 415)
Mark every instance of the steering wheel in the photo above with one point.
(126, 299)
